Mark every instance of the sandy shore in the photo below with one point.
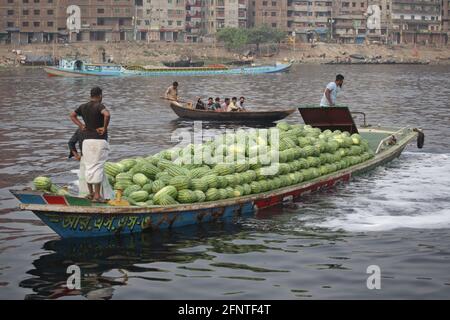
(132, 53)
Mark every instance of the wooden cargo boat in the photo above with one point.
(71, 216)
(208, 115)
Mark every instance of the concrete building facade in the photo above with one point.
(27, 21)
(272, 13)
(309, 19)
(218, 14)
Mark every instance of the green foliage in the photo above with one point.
(236, 38)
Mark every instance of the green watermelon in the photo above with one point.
(139, 196)
(42, 183)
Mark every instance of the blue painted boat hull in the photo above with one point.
(57, 71)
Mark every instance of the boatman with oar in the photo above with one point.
(172, 92)
(331, 91)
(92, 180)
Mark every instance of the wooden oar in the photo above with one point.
(182, 101)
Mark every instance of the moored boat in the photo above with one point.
(245, 116)
(71, 216)
(78, 68)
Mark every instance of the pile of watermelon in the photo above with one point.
(45, 184)
(304, 153)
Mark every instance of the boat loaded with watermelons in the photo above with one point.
(165, 190)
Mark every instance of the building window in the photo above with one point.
(25, 12)
(49, 23)
(354, 4)
(10, 12)
(170, 22)
(362, 6)
(117, 10)
(25, 1)
(274, 25)
(10, 1)
(423, 18)
(49, 12)
(274, 3)
(10, 24)
(412, 17)
(149, 11)
(36, 23)
(178, 23)
(147, 22)
(100, 10)
(345, 4)
(25, 24)
(273, 14)
(100, 21)
(264, 3)
(37, 12)
(49, 1)
(138, 22)
(127, 10)
(36, 1)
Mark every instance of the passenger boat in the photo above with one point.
(208, 115)
(71, 216)
(78, 68)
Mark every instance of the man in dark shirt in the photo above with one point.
(95, 146)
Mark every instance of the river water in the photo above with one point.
(397, 217)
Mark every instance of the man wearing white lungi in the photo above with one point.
(95, 143)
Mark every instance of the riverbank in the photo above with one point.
(140, 53)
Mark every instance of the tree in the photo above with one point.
(233, 38)
(265, 34)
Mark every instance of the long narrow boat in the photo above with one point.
(78, 68)
(208, 115)
(71, 216)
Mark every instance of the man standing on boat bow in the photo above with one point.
(172, 92)
(331, 91)
(92, 179)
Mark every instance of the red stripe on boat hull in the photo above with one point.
(274, 200)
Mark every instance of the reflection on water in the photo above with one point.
(396, 217)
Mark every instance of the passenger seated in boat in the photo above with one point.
(200, 105)
(76, 138)
(210, 103)
(225, 105)
(241, 104)
(233, 105)
(217, 105)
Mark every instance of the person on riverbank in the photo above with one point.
(172, 92)
(95, 147)
(331, 91)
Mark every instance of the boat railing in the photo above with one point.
(392, 139)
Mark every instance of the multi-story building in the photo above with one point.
(348, 20)
(309, 19)
(26, 21)
(219, 14)
(445, 17)
(272, 13)
(417, 21)
(193, 20)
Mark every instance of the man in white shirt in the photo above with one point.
(331, 91)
